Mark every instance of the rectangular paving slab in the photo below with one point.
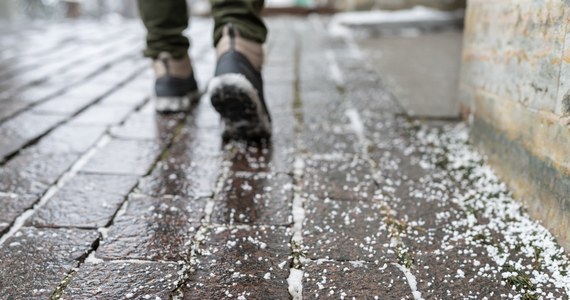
(262, 199)
(87, 201)
(252, 262)
(124, 157)
(354, 280)
(123, 280)
(32, 173)
(339, 179)
(11, 206)
(153, 229)
(345, 230)
(34, 261)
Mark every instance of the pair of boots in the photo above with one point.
(236, 91)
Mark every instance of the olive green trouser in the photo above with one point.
(165, 20)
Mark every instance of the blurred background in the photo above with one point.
(57, 9)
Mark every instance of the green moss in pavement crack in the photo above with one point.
(519, 280)
(404, 257)
(298, 252)
(537, 260)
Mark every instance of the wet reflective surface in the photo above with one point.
(102, 198)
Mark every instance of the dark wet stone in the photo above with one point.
(148, 127)
(32, 173)
(11, 206)
(22, 129)
(64, 105)
(341, 179)
(356, 280)
(123, 280)
(187, 179)
(260, 157)
(346, 230)
(190, 169)
(87, 201)
(255, 199)
(253, 262)
(446, 274)
(34, 261)
(70, 139)
(103, 115)
(153, 229)
(124, 157)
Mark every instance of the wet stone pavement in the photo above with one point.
(101, 198)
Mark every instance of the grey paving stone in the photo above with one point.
(133, 92)
(11, 206)
(87, 201)
(63, 104)
(34, 261)
(22, 129)
(70, 139)
(346, 230)
(31, 173)
(153, 229)
(130, 157)
(264, 199)
(252, 262)
(11, 104)
(122, 280)
(354, 280)
(342, 179)
(102, 115)
(148, 127)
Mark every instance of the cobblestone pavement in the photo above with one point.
(100, 198)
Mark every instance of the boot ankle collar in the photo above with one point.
(232, 41)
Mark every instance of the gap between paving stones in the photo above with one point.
(295, 279)
(358, 128)
(59, 50)
(90, 256)
(107, 63)
(67, 119)
(64, 178)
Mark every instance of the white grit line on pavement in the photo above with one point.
(66, 177)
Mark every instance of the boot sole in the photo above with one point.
(176, 104)
(238, 103)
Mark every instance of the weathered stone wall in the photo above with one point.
(515, 83)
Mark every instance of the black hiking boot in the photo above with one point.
(236, 91)
(175, 87)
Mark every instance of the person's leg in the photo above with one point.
(237, 88)
(243, 14)
(165, 21)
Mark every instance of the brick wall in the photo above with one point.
(515, 84)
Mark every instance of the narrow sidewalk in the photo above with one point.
(101, 198)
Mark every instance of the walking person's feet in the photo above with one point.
(237, 89)
(175, 87)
